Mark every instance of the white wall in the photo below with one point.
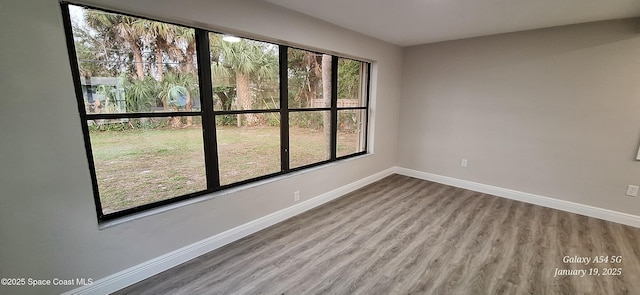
(48, 226)
(553, 112)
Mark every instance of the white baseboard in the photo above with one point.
(157, 265)
(586, 210)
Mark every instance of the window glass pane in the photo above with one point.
(309, 137)
(309, 79)
(146, 163)
(352, 83)
(244, 74)
(131, 65)
(248, 152)
(351, 132)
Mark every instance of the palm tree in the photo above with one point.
(187, 36)
(119, 28)
(173, 48)
(88, 53)
(221, 76)
(177, 45)
(172, 41)
(245, 61)
(160, 34)
(142, 95)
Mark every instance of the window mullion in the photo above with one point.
(284, 108)
(208, 116)
(334, 107)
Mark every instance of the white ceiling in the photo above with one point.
(412, 22)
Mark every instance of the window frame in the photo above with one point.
(208, 114)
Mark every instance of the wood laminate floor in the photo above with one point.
(402, 235)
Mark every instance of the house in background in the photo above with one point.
(547, 116)
(98, 90)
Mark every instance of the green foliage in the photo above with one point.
(224, 96)
(257, 59)
(142, 95)
(106, 91)
(108, 98)
(176, 85)
(107, 36)
(127, 124)
(107, 43)
(231, 62)
(101, 125)
(226, 120)
(349, 78)
(305, 76)
(312, 120)
(348, 121)
(272, 119)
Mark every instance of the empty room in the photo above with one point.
(320, 147)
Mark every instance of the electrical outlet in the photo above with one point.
(632, 190)
(463, 162)
(296, 196)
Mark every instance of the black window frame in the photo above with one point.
(208, 114)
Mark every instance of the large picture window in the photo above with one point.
(171, 112)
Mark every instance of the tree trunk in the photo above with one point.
(244, 98)
(159, 65)
(137, 57)
(191, 49)
(92, 105)
(224, 100)
(188, 107)
(326, 95)
(160, 45)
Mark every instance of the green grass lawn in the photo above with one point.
(136, 167)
